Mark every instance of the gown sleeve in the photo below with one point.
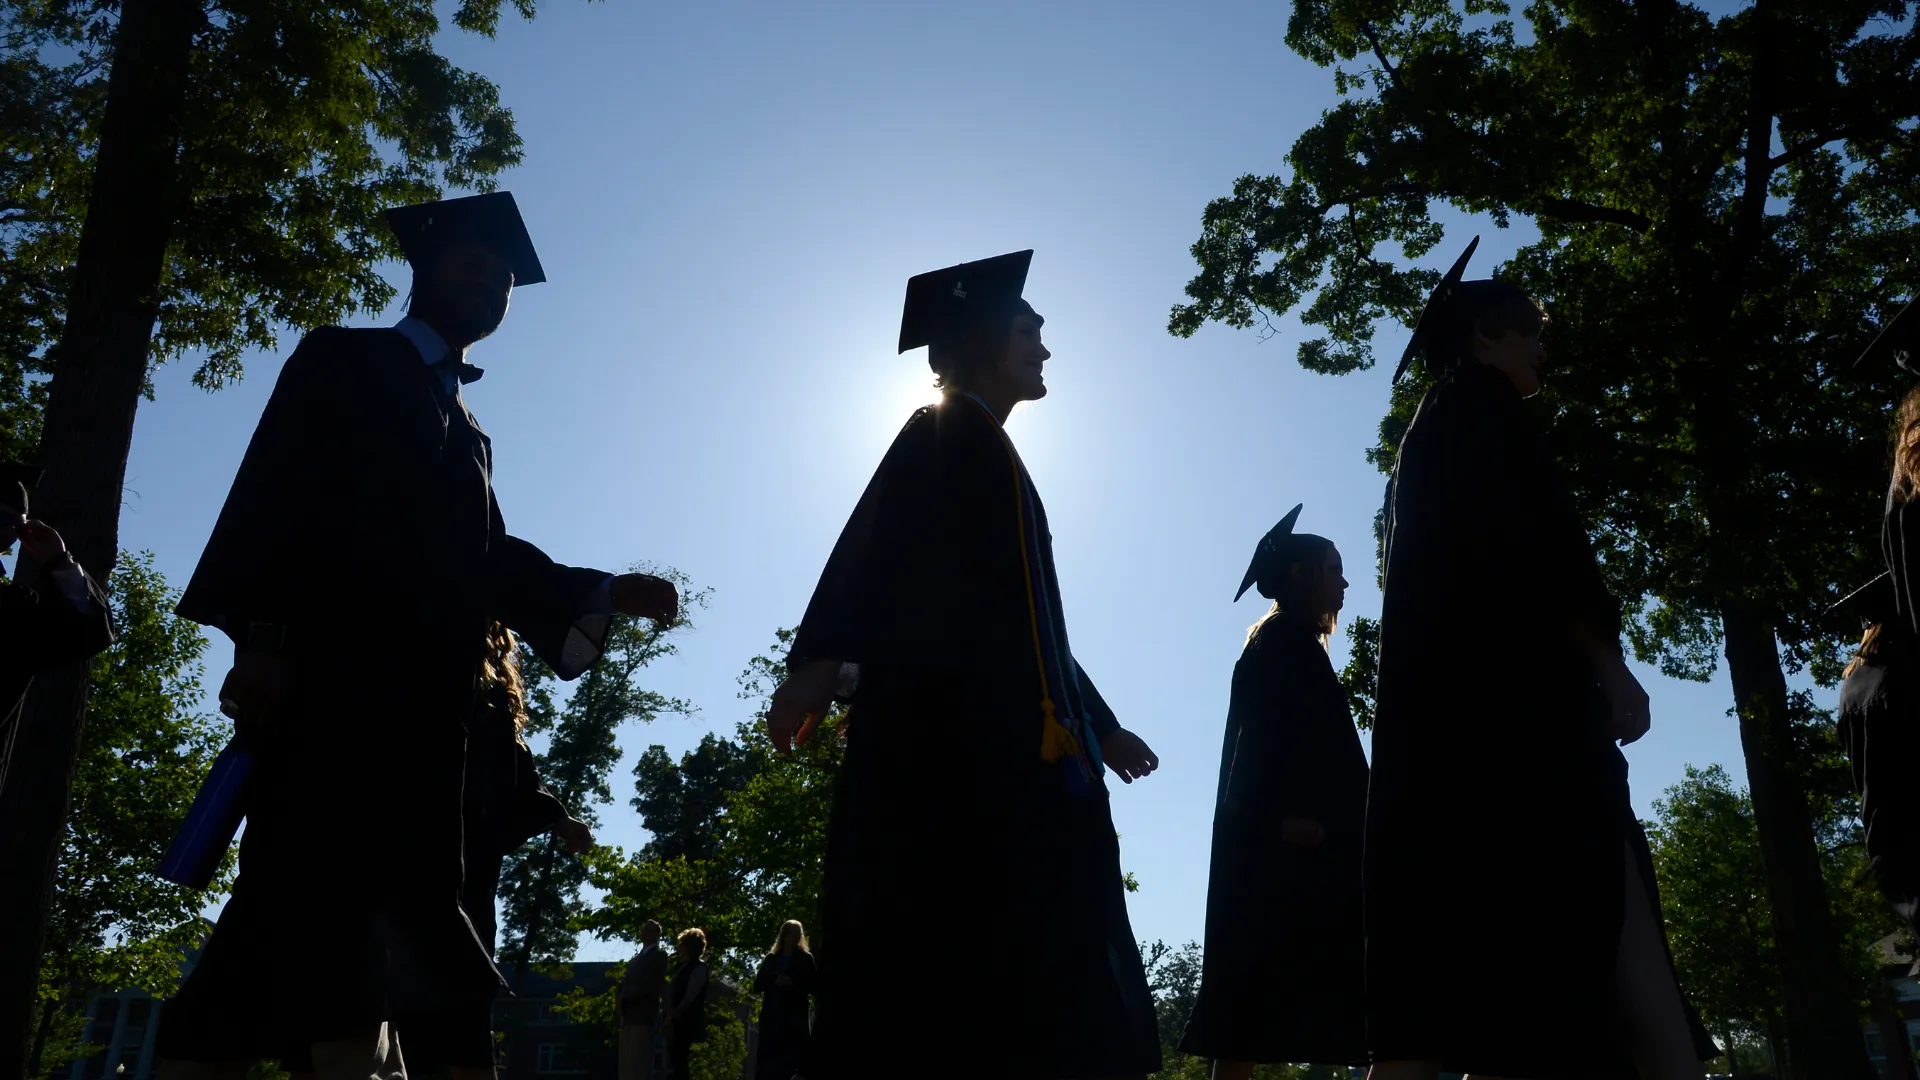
(533, 809)
(263, 562)
(1273, 771)
(43, 628)
(926, 570)
(547, 603)
(1100, 715)
(862, 609)
(1505, 518)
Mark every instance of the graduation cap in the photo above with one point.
(1436, 319)
(945, 304)
(1266, 557)
(16, 479)
(1870, 603)
(492, 219)
(1896, 342)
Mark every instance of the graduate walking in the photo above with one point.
(504, 805)
(54, 615)
(974, 783)
(1880, 696)
(1498, 818)
(1285, 945)
(364, 507)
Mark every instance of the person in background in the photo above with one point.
(52, 614)
(1286, 944)
(686, 1004)
(1880, 697)
(637, 1004)
(785, 983)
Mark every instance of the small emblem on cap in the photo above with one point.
(959, 290)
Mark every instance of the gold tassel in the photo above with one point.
(1056, 742)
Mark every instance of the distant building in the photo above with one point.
(1901, 1008)
(535, 1041)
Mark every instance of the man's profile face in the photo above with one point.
(464, 290)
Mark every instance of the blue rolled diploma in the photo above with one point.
(194, 856)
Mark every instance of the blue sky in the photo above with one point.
(728, 198)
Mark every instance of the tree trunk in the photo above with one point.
(42, 1032)
(99, 370)
(1824, 1040)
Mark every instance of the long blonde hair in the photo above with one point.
(800, 941)
(1906, 447)
(501, 671)
(1869, 644)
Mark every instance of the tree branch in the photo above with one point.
(1807, 145)
(1380, 54)
(1551, 206)
(1575, 210)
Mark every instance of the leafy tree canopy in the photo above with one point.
(1719, 919)
(761, 848)
(303, 121)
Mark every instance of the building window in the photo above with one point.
(559, 1059)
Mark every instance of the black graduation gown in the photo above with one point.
(41, 628)
(505, 806)
(945, 818)
(1498, 807)
(362, 520)
(1282, 976)
(783, 1014)
(1880, 722)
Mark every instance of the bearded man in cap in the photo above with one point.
(53, 614)
(363, 517)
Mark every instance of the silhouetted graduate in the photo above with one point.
(973, 791)
(57, 616)
(505, 804)
(1880, 698)
(357, 564)
(1285, 943)
(1499, 827)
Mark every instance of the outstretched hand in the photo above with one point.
(1128, 755)
(800, 703)
(40, 542)
(647, 597)
(575, 837)
(256, 690)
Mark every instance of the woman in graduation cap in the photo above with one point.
(1500, 840)
(1285, 944)
(1880, 698)
(974, 780)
